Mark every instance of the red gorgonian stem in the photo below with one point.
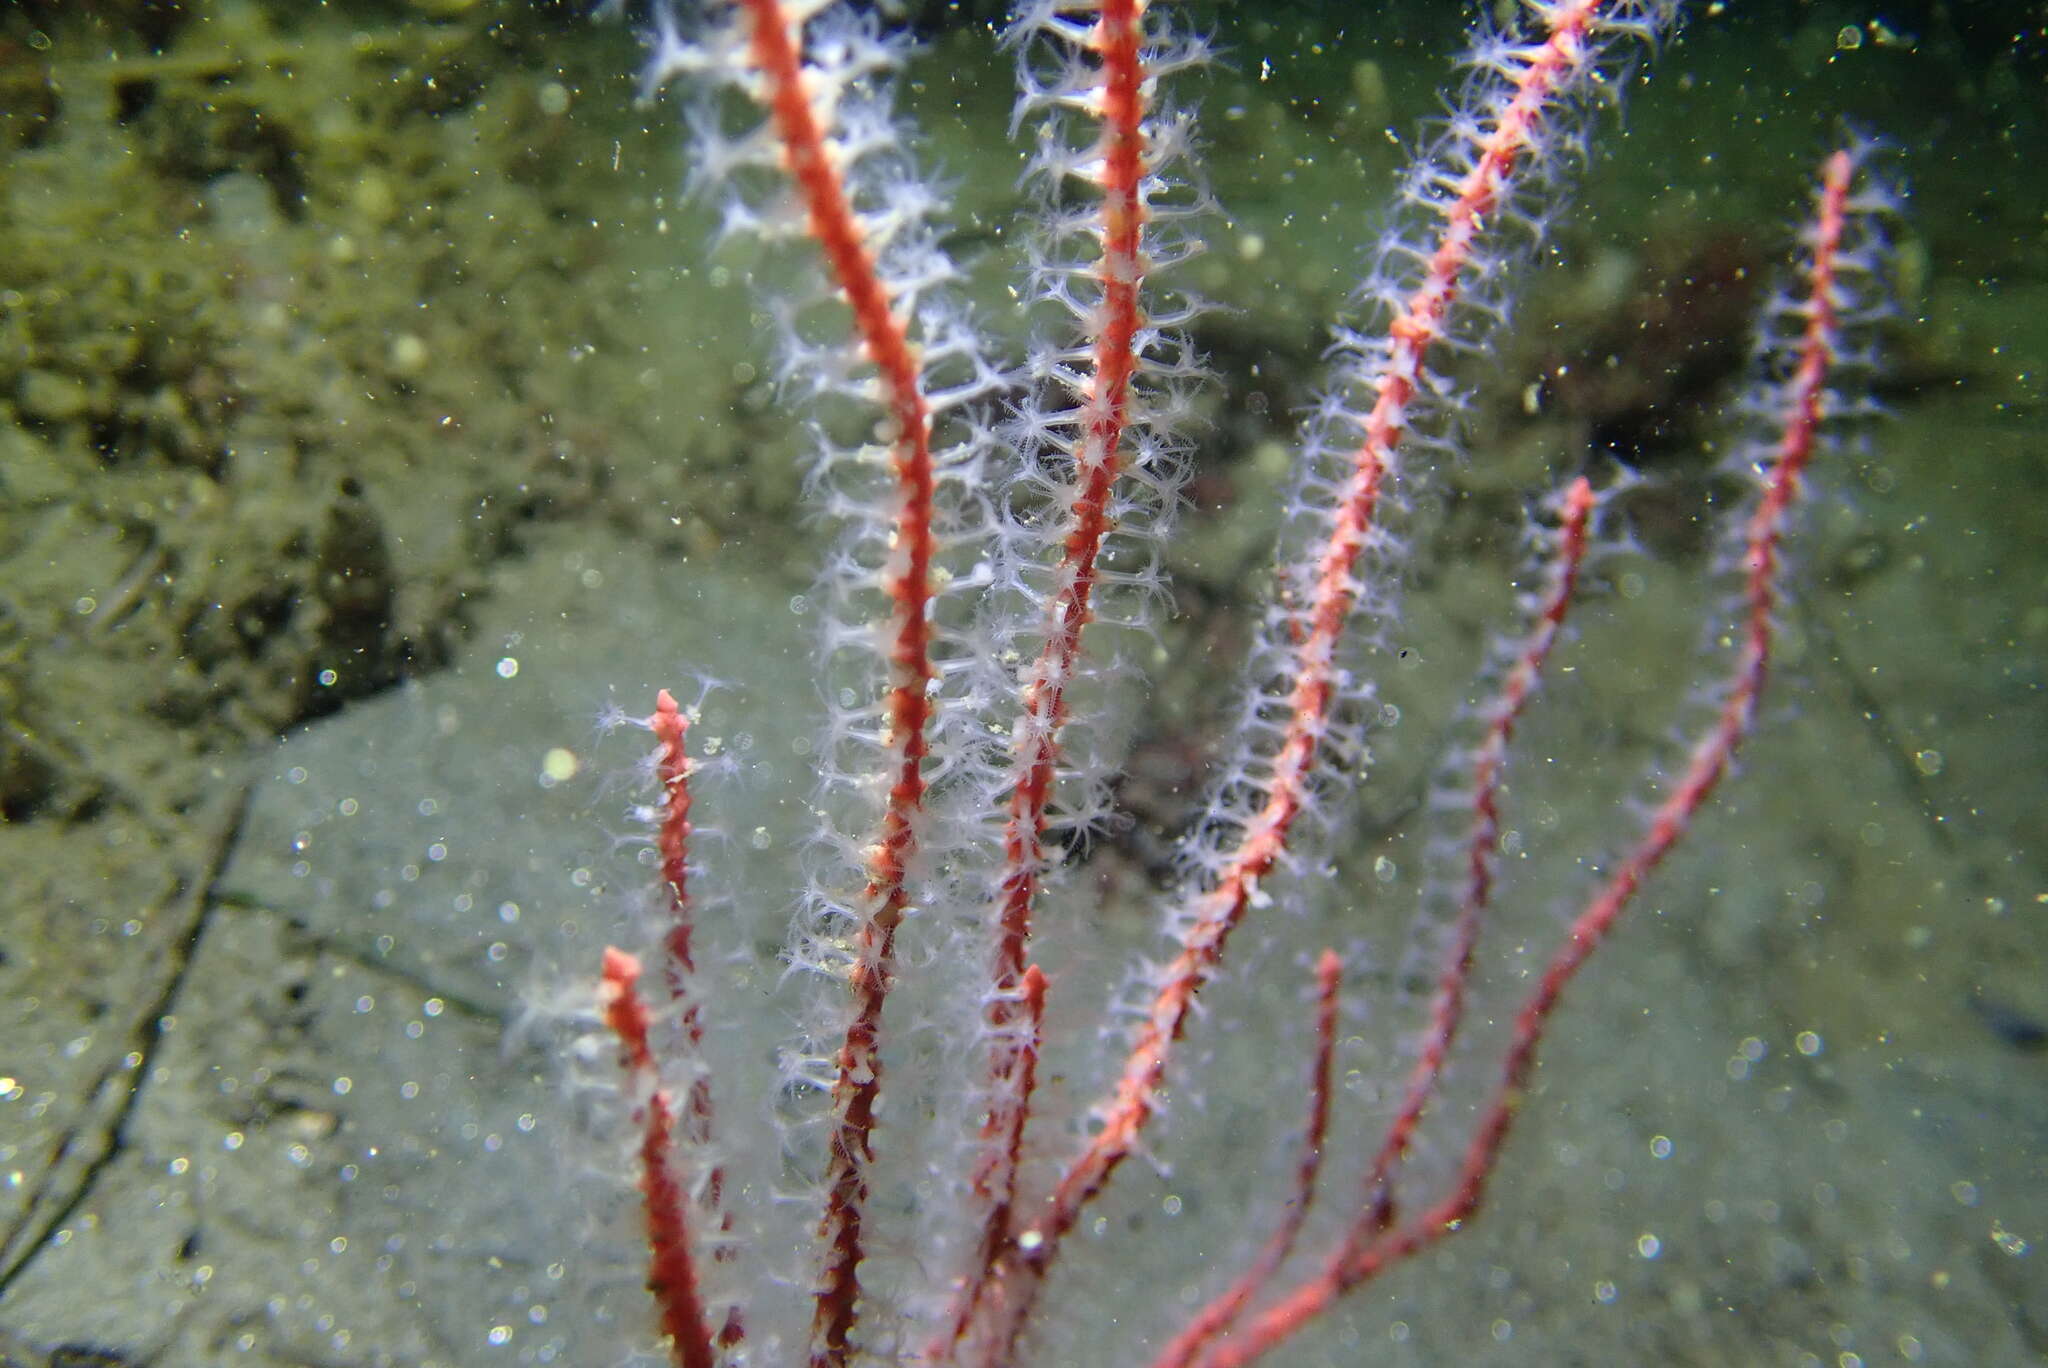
(775, 47)
(1804, 399)
(671, 729)
(1221, 1313)
(1418, 328)
(1014, 1020)
(671, 1269)
(1489, 763)
(672, 769)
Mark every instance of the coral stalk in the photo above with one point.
(1015, 1023)
(672, 1263)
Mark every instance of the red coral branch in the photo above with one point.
(1219, 1315)
(775, 36)
(1489, 763)
(1014, 1012)
(671, 1268)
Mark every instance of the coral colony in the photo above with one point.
(911, 1192)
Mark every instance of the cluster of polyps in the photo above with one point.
(996, 524)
